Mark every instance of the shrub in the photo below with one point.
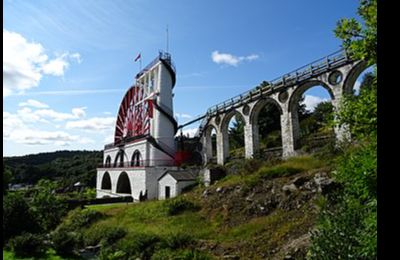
(141, 245)
(347, 225)
(179, 204)
(79, 218)
(103, 234)
(17, 216)
(48, 207)
(178, 240)
(64, 241)
(277, 171)
(28, 244)
(185, 254)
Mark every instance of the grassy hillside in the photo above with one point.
(260, 210)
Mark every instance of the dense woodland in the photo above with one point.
(65, 167)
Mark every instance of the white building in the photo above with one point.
(171, 183)
(144, 146)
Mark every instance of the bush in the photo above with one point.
(28, 244)
(79, 218)
(141, 245)
(347, 228)
(64, 241)
(17, 216)
(48, 207)
(243, 167)
(178, 240)
(179, 204)
(277, 171)
(107, 235)
(185, 254)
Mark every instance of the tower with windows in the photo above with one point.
(144, 146)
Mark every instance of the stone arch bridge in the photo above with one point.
(337, 73)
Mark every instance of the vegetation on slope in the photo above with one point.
(234, 218)
(67, 167)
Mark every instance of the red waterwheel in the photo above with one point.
(134, 115)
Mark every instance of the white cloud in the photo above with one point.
(56, 67)
(59, 116)
(93, 124)
(229, 59)
(182, 115)
(10, 123)
(109, 139)
(77, 57)
(312, 101)
(16, 130)
(79, 112)
(33, 103)
(24, 63)
(39, 137)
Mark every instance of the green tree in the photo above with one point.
(48, 208)
(360, 39)
(236, 133)
(347, 228)
(7, 177)
(360, 112)
(17, 216)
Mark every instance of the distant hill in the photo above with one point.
(67, 167)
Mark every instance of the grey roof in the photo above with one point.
(180, 175)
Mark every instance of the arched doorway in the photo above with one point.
(123, 184)
(106, 182)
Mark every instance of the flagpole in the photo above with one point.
(167, 39)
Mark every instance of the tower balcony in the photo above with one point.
(137, 164)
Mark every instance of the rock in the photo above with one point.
(299, 181)
(288, 257)
(219, 189)
(289, 188)
(231, 257)
(324, 183)
(261, 208)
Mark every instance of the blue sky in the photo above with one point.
(68, 63)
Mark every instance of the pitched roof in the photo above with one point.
(180, 175)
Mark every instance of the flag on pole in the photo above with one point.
(138, 57)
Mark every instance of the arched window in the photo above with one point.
(108, 161)
(119, 160)
(106, 182)
(136, 159)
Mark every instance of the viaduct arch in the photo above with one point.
(337, 73)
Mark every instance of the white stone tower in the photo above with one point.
(144, 146)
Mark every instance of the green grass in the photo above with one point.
(50, 255)
(266, 171)
(151, 217)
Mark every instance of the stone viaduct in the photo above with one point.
(337, 73)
